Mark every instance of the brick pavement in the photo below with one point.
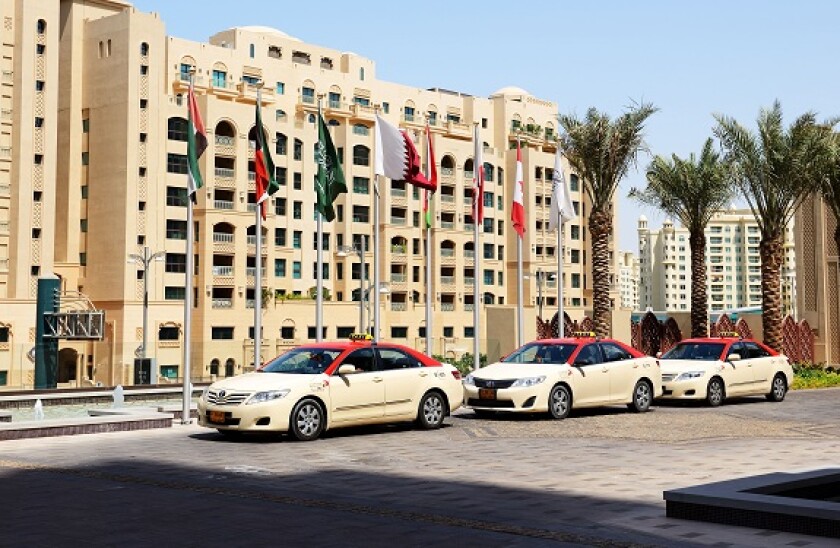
(594, 479)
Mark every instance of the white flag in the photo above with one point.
(561, 210)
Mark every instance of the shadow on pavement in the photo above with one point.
(140, 503)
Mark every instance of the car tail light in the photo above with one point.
(456, 374)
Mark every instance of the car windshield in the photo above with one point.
(541, 353)
(694, 351)
(302, 361)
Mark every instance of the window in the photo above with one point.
(219, 78)
(251, 50)
(144, 103)
(432, 118)
(39, 121)
(41, 27)
(308, 95)
(221, 333)
(361, 155)
(576, 280)
(334, 100)
(175, 196)
(144, 49)
(574, 183)
(469, 331)
(84, 192)
(167, 333)
(280, 268)
(361, 185)
(588, 355)
(386, 108)
(280, 89)
(343, 332)
(176, 230)
(361, 129)
(185, 71)
(325, 241)
(176, 163)
(298, 152)
(489, 277)
(575, 256)
(488, 226)
(575, 232)
(297, 210)
(297, 181)
(280, 206)
(4, 334)
(144, 69)
(297, 236)
(39, 85)
(176, 262)
(280, 237)
(296, 274)
(409, 114)
(489, 251)
(488, 199)
(83, 225)
(174, 293)
(39, 159)
(282, 144)
(86, 125)
(250, 80)
(613, 353)
(325, 271)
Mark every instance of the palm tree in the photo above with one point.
(601, 151)
(690, 190)
(775, 170)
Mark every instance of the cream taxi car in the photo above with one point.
(315, 387)
(716, 368)
(557, 375)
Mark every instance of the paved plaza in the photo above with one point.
(595, 479)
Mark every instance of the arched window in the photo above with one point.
(252, 50)
(225, 133)
(447, 165)
(361, 155)
(468, 167)
(144, 49)
(177, 129)
(42, 26)
(282, 144)
(230, 365)
(311, 118)
(214, 366)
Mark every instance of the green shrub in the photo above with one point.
(464, 364)
(814, 375)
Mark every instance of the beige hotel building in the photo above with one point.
(93, 169)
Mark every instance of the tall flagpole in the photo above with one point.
(476, 253)
(319, 275)
(429, 279)
(188, 292)
(375, 258)
(258, 271)
(520, 312)
(560, 252)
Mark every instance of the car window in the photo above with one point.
(302, 361)
(588, 355)
(694, 351)
(541, 353)
(737, 348)
(361, 359)
(754, 350)
(392, 358)
(613, 352)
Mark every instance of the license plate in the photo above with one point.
(217, 417)
(487, 393)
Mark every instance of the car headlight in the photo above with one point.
(527, 381)
(469, 380)
(690, 375)
(268, 395)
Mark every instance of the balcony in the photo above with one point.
(397, 220)
(447, 224)
(225, 145)
(399, 278)
(222, 238)
(250, 303)
(223, 204)
(469, 307)
(362, 112)
(222, 303)
(399, 307)
(469, 281)
(448, 281)
(398, 192)
(223, 271)
(458, 130)
(447, 307)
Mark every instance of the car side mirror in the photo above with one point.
(346, 369)
(733, 357)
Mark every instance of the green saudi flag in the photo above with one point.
(330, 181)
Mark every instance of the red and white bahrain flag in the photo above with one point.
(397, 158)
(517, 212)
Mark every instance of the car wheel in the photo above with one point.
(307, 420)
(431, 412)
(559, 402)
(778, 389)
(642, 397)
(715, 392)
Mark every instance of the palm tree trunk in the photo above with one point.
(772, 254)
(699, 300)
(600, 228)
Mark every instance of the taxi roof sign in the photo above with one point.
(732, 334)
(361, 337)
(583, 334)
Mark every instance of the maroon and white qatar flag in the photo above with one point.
(517, 212)
(397, 158)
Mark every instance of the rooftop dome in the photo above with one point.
(643, 218)
(510, 90)
(259, 29)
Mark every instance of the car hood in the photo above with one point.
(681, 366)
(267, 381)
(501, 370)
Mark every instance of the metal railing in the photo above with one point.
(222, 303)
(223, 271)
(225, 173)
(222, 237)
(399, 278)
(225, 140)
(223, 204)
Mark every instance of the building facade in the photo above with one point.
(627, 278)
(733, 264)
(93, 169)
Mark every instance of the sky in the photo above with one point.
(690, 59)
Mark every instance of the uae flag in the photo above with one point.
(330, 180)
(396, 157)
(196, 144)
(517, 212)
(431, 176)
(263, 166)
(478, 180)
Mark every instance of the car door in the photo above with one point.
(762, 365)
(406, 380)
(360, 396)
(624, 371)
(738, 374)
(591, 376)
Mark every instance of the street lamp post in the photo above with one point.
(384, 289)
(344, 251)
(145, 260)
